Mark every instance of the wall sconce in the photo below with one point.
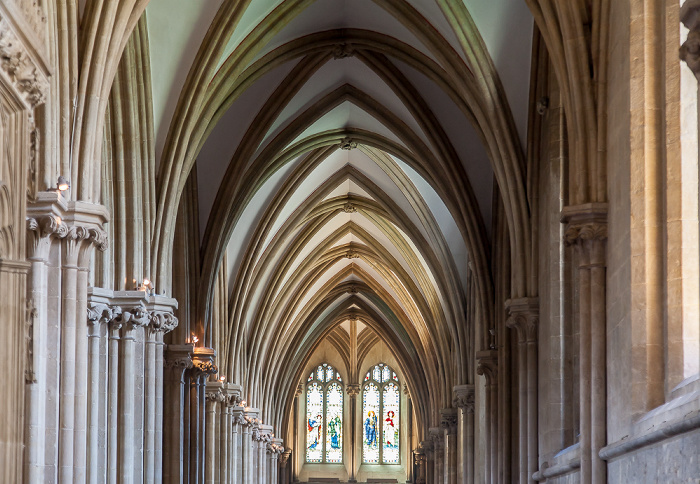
(222, 378)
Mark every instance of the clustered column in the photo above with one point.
(587, 230)
(487, 366)
(523, 316)
(448, 422)
(464, 401)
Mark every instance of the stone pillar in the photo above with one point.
(464, 401)
(239, 424)
(202, 366)
(487, 366)
(250, 437)
(448, 422)
(523, 316)
(99, 314)
(437, 437)
(276, 450)
(212, 461)
(131, 320)
(285, 475)
(265, 439)
(353, 390)
(420, 463)
(178, 359)
(587, 230)
(229, 432)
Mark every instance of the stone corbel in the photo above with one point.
(179, 357)
(214, 393)
(233, 394)
(690, 49)
(353, 390)
(203, 362)
(463, 397)
(284, 458)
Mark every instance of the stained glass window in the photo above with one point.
(324, 416)
(381, 413)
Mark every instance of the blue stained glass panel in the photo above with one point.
(314, 423)
(390, 426)
(370, 426)
(334, 417)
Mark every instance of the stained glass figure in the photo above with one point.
(381, 408)
(390, 442)
(324, 416)
(370, 410)
(334, 416)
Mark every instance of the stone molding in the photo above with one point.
(20, 67)
(464, 397)
(523, 316)
(690, 49)
(585, 222)
(487, 365)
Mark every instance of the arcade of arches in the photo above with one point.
(277, 241)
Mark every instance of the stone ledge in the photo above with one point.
(566, 461)
(680, 415)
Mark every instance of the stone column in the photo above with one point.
(448, 422)
(161, 321)
(523, 316)
(229, 431)
(239, 424)
(487, 366)
(203, 366)
(464, 401)
(214, 398)
(131, 320)
(437, 437)
(265, 439)
(178, 359)
(276, 449)
(426, 447)
(587, 230)
(420, 463)
(250, 437)
(284, 467)
(99, 314)
(295, 457)
(353, 390)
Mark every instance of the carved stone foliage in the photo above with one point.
(353, 390)
(690, 49)
(164, 321)
(487, 365)
(52, 226)
(19, 67)
(523, 316)
(464, 397)
(448, 419)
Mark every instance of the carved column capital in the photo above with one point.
(162, 321)
(448, 420)
(523, 316)
(100, 313)
(179, 357)
(463, 397)
(487, 365)
(203, 362)
(284, 457)
(353, 390)
(233, 394)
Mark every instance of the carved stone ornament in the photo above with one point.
(205, 367)
(690, 50)
(180, 362)
(50, 225)
(353, 390)
(523, 316)
(133, 317)
(240, 420)
(348, 144)
(352, 254)
(99, 313)
(20, 68)
(585, 222)
(464, 397)
(349, 207)
(164, 321)
(216, 396)
(448, 418)
(487, 365)
(343, 50)
(284, 458)
(32, 313)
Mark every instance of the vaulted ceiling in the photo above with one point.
(345, 153)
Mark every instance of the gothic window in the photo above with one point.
(324, 416)
(380, 412)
